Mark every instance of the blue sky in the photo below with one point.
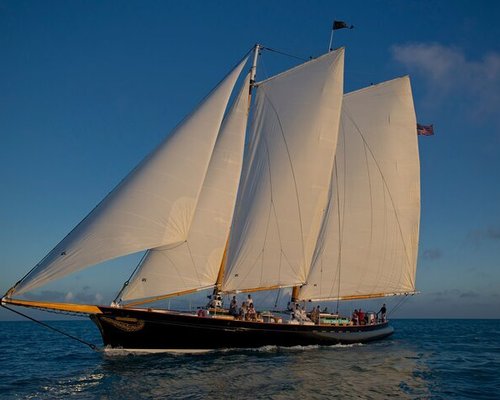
(88, 88)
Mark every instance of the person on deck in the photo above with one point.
(382, 313)
(251, 314)
(361, 317)
(299, 313)
(233, 307)
(243, 311)
(315, 315)
(355, 317)
(249, 300)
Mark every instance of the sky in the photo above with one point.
(88, 88)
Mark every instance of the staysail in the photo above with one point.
(284, 190)
(368, 245)
(194, 263)
(151, 207)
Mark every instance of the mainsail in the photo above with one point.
(153, 206)
(285, 185)
(194, 264)
(369, 241)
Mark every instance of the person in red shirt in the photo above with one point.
(361, 317)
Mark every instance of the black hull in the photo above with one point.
(134, 329)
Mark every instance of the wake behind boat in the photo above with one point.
(325, 199)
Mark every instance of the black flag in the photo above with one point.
(341, 25)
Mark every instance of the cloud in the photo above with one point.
(478, 236)
(453, 294)
(469, 294)
(448, 72)
(446, 294)
(83, 296)
(493, 233)
(432, 254)
(47, 295)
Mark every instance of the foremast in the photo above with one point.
(216, 294)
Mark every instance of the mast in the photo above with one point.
(253, 69)
(220, 275)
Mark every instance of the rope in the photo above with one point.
(92, 346)
(277, 298)
(125, 284)
(398, 305)
(286, 54)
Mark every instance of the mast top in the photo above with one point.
(253, 69)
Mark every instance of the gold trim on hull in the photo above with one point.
(77, 308)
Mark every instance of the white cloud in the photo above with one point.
(85, 295)
(448, 72)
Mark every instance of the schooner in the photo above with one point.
(324, 198)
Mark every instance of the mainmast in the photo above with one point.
(253, 69)
(215, 299)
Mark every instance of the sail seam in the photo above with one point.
(341, 229)
(272, 209)
(385, 185)
(194, 264)
(261, 253)
(370, 189)
(282, 132)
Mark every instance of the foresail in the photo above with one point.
(369, 242)
(286, 177)
(151, 207)
(194, 263)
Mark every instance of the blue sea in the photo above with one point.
(424, 359)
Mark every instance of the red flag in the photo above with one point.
(425, 130)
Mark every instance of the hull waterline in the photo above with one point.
(143, 330)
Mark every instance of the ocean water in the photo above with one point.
(424, 359)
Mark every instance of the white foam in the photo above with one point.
(111, 351)
(124, 351)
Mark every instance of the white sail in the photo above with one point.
(285, 183)
(369, 242)
(153, 206)
(194, 264)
